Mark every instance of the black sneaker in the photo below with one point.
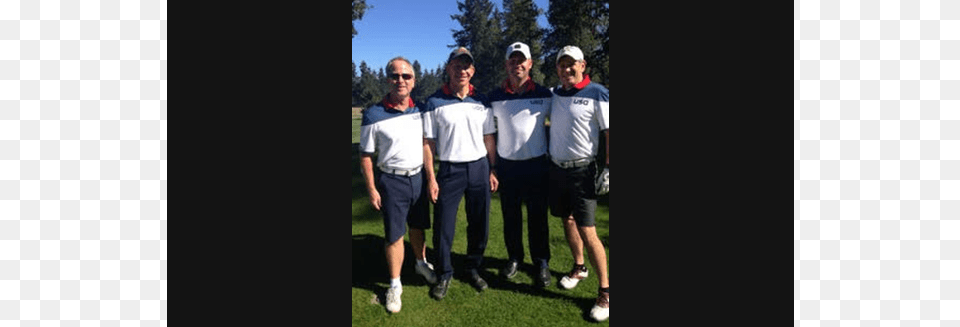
(510, 270)
(477, 281)
(543, 278)
(440, 290)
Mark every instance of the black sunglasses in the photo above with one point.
(397, 76)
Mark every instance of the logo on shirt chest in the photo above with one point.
(536, 101)
(582, 102)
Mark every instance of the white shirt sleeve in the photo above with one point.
(429, 127)
(368, 138)
(603, 113)
(489, 126)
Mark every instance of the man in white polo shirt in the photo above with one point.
(393, 129)
(458, 128)
(579, 112)
(520, 108)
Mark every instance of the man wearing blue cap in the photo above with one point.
(458, 128)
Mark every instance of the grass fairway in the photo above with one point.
(505, 303)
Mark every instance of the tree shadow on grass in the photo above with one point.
(495, 281)
(358, 192)
(369, 265)
(369, 271)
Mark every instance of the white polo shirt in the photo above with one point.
(458, 125)
(520, 120)
(396, 135)
(576, 118)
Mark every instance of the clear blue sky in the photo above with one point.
(417, 30)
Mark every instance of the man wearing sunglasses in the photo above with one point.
(520, 108)
(458, 128)
(393, 129)
(579, 112)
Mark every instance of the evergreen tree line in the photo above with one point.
(486, 32)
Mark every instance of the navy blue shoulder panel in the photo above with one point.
(440, 99)
(592, 91)
(378, 112)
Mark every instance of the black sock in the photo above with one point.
(604, 289)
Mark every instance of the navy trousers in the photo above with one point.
(469, 180)
(525, 181)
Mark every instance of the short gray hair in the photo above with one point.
(390, 64)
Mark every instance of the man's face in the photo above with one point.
(570, 71)
(401, 78)
(518, 67)
(460, 70)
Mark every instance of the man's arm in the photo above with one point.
(429, 147)
(366, 168)
(490, 141)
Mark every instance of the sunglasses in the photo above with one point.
(396, 76)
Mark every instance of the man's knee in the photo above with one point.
(588, 233)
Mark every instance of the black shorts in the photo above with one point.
(572, 191)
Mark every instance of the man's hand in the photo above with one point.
(603, 182)
(494, 183)
(434, 190)
(375, 199)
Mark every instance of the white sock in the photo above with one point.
(422, 261)
(395, 282)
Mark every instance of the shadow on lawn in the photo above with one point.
(358, 189)
(369, 271)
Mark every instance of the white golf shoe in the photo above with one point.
(393, 299)
(601, 310)
(573, 278)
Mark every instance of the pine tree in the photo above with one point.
(520, 25)
(354, 83)
(582, 23)
(359, 8)
(369, 91)
(417, 93)
(481, 34)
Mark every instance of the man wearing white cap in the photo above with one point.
(520, 108)
(458, 127)
(578, 113)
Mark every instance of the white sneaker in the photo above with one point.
(573, 278)
(601, 310)
(393, 299)
(426, 270)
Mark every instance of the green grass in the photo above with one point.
(505, 303)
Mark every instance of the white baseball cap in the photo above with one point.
(572, 51)
(518, 46)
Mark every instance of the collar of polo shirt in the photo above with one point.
(527, 86)
(447, 91)
(583, 83)
(393, 105)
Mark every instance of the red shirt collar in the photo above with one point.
(393, 105)
(527, 86)
(446, 90)
(583, 83)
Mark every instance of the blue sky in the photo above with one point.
(417, 30)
